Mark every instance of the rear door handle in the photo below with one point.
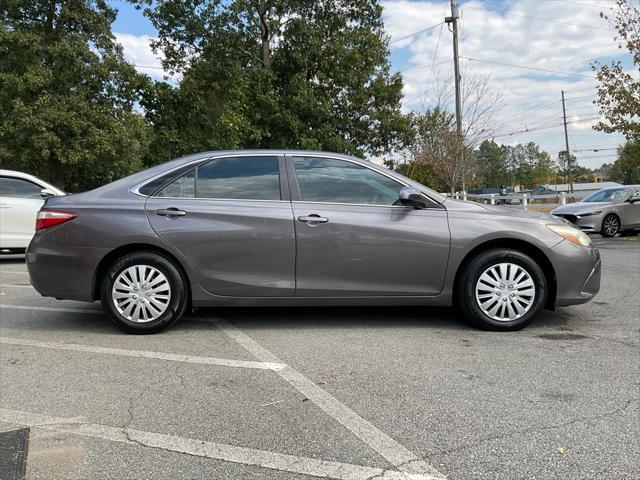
(313, 219)
(171, 212)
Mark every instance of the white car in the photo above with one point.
(21, 196)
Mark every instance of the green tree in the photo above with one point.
(527, 165)
(565, 167)
(422, 173)
(618, 93)
(273, 73)
(626, 168)
(489, 155)
(66, 95)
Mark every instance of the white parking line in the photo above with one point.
(13, 271)
(172, 357)
(15, 285)
(50, 309)
(218, 451)
(396, 454)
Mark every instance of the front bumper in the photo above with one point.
(588, 223)
(578, 271)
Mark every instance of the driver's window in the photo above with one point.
(338, 181)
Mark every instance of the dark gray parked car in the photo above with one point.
(282, 228)
(608, 211)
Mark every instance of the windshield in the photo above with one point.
(606, 195)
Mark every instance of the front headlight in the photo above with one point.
(597, 212)
(572, 234)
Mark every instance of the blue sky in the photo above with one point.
(559, 35)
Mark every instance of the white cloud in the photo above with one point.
(137, 50)
(512, 35)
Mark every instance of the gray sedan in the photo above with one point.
(607, 211)
(283, 228)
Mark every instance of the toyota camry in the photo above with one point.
(286, 228)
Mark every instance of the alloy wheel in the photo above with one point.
(611, 225)
(141, 293)
(505, 292)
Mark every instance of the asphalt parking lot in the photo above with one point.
(331, 393)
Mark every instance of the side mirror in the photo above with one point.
(633, 199)
(46, 193)
(411, 197)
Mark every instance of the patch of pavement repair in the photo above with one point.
(14, 445)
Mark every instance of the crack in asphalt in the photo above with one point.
(134, 400)
(615, 411)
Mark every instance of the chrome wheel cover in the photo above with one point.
(505, 292)
(141, 293)
(611, 225)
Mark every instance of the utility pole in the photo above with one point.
(566, 143)
(453, 20)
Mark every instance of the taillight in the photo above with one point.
(50, 218)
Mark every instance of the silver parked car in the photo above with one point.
(607, 211)
(284, 228)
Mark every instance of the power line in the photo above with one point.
(415, 33)
(580, 96)
(510, 14)
(581, 89)
(435, 53)
(422, 65)
(528, 68)
(593, 149)
(544, 127)
(531, 114)
(591, 5)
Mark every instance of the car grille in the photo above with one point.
(571, 218)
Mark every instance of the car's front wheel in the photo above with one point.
(501, 290)
(144, 292)
(610, 225)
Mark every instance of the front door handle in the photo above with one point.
(171, 212)
(313, 219)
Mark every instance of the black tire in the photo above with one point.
(178, 296)
(610, 225)
(465, 295)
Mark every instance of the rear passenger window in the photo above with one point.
(250, 178)
(241, 178)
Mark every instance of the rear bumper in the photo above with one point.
(64, 272)
(578, 272)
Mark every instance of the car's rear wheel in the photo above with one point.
(144, 292)
(501, 290)
(610, 225)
